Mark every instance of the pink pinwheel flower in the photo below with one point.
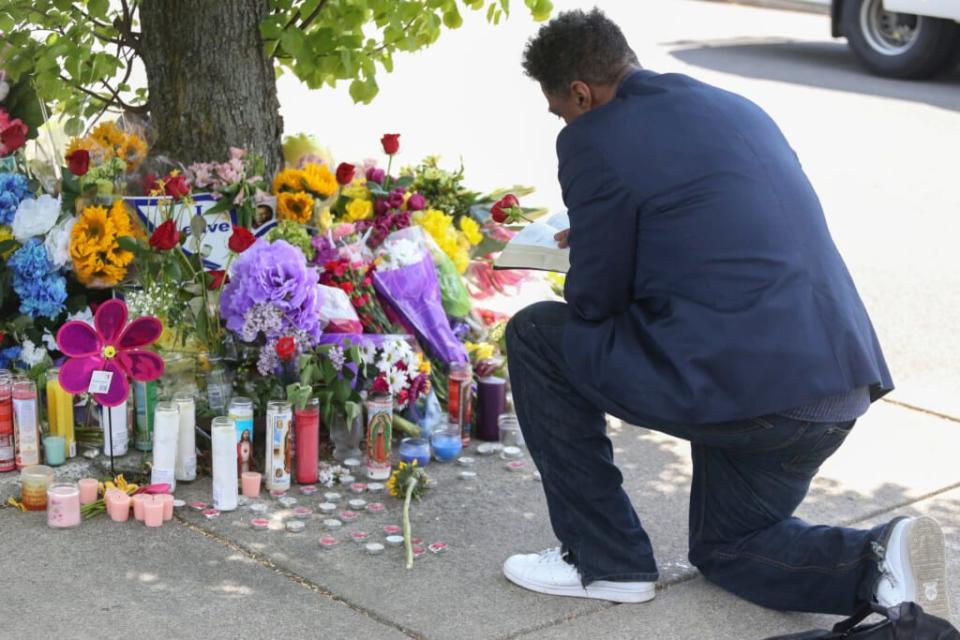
(111, 346)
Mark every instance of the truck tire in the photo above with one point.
(899, 45)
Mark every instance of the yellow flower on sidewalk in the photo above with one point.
(295, 206)
(359, 210)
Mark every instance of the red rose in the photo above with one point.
(348, 287)
(165, 237)
(380, 384)
(501, 210)
(177, 186)
(391, 143)
(286, 347)
(345, 173)
(217, 277)
(79, 162)
(402, 397)
(150, 184)
(240, 240)
(357, 302)
(13, 133)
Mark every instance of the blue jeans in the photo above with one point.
(748, 478)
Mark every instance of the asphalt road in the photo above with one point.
(881, 153)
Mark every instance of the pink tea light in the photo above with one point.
(118, 505)
(153, 511)
(88, 490)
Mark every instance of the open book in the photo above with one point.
(535, 248)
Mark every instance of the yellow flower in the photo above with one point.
(133, 151)
(356, 190)
(424, 364)
(108, 134)
(7, 234)
(288, 180)
(319, 180)
(326, 219)
(471, 230)
(94, 249)
(295, 206)
(359, 210)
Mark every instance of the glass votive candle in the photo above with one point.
(54, 451)
(34, 482)
(167, 501)
(415, 449)
(511, 438)
(250, 484)
(138, 501)
(118, 505)
(63, 506)
(447, 443)
(153, 511)
(88, 490)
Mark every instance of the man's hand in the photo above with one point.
(563, 238)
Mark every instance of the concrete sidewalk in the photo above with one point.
(221, 579)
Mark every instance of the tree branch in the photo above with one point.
(81, 88)
(102, 25)
(313, 15)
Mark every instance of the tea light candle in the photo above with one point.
(34, 482)
(88, 490)
(178, 504)
(375, 486)
(359, 536)
(308, 489)
(243, 501)
(352, 464)
(374, 548)
(415, 449)
(489, 448)
(376, 507)
(416, 542)
(118, 505)
(516, 465)
(259, 524)
(138, 501)
(302, 513)
(211, 514)
(349, 516)
(332, 496)
(512, 452)
(394, 541)
(152, 512)
(277, 493)
(63, 506)
(198, 506)
(332, 524)
(418, 551)
(392, 530)
(259, 508)
(250, 483)
(327, 507)
(357, 504)
(358, 487)
(468, 475)
(347, 480)
(167, 500)
(437, 547)
(327, 543)
(465, 461)
(287, 502)
(296, 526)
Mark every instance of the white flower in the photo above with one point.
(397, 381)
(31, 354)
(49, 340)
(35, 217)
(368, 354)
(400, 253)
(384, 365)
(57, 242)
(83, 316)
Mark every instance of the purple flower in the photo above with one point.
(274, 274)
(395, 200)
(326, 250)
(376, 175)
(380, 207)
(416, 203)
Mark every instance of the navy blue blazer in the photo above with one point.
(704, 284)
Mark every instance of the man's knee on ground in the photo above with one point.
(527, 319)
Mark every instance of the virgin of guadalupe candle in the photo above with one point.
(491, 402)
(63, 506)
(379, 436)
(186, 465)
(7, 447)
(279, 453)
(307, 439)
(166, 431)
(460, 401)
(223, 436)
(60, 413)
(26, 428)
(241, 410)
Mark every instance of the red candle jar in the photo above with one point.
(307, 441)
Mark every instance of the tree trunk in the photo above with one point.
(211, 86)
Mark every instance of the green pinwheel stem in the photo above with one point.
(407, 536)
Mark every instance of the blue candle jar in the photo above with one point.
(415, 449)
(447, 443)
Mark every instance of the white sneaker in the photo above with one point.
(547, 572)
(914, 567)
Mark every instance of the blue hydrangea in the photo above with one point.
(10, 358)
(38, 283)
(13, 189)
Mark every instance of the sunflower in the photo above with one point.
(288, 180)
(133, 151)
(319, 180)
(94, 249)
(295, 206)
(108, 134)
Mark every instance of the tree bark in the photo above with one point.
(210, 85)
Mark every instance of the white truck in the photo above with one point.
(898, 38)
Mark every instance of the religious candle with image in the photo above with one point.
(241, 411)
(379, 435)
(279, 452)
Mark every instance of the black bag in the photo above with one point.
(906, 621)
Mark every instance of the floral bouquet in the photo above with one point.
(353, 277)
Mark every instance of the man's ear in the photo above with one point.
(582, 95)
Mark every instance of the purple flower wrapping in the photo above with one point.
(414, 292)
(273, 274)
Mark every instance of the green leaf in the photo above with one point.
(223, 204)
(74, 127)
(98, 8)
(128, 243)
(7, 245)
(292, 41)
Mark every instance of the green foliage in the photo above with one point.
(81, 53)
